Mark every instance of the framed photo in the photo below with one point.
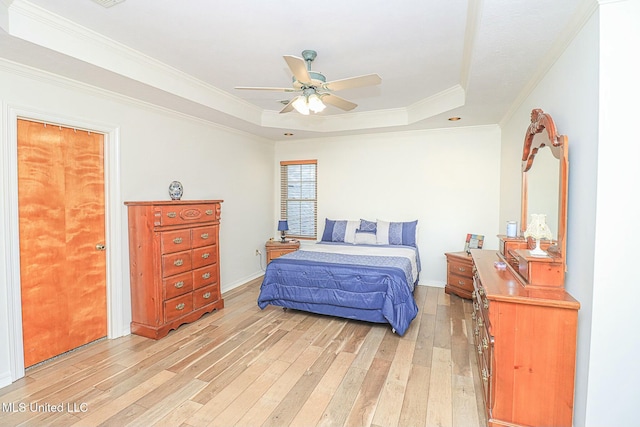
(474, 241)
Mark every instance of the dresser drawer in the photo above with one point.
(176, 263)
(204, 256)
(187, 214)
(204, 236)
(207, 275)
(461, 268)
(177, 285)
(175, 241)
(177, 307)
(276, 253)
(460, 281)
(206, 295)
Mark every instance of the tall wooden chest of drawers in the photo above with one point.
(174, 263)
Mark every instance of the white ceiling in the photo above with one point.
(437, 58)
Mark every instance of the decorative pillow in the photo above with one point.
(396, 233)
(339, 231)
(367, 225)
(365, 238)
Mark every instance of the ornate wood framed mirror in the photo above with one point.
(545, 172)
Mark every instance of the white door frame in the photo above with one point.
(113, 226)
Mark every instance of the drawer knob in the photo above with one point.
(206, 275)
(461, 282)
(204, 235)
(179, 284)
(209, 211)
(207, 295)
(171, 214)
(178, 262)
(206, 255)
(180, 306)
(177, 240)
(462, 269)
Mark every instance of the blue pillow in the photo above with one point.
(397, 233)
(367, 225)
(334, 231)
(339, 230)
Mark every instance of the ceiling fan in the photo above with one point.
(313, 87)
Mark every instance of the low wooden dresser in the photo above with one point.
(174, 263)
(276, 248)
(525, 337)
(459, 274)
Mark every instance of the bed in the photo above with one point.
(353, 273)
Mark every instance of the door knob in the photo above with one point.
(100, 247)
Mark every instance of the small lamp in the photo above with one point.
(282, 227)
(538, 229)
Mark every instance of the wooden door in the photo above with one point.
(61, 221)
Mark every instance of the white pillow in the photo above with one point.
(382, 232)
(365, 238)
(350, 232)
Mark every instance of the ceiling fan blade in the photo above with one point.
(336, 101)
(353, 82)
(276, 89)
(299, 68)
(287, 108)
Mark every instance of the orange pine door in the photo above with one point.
(61, 212)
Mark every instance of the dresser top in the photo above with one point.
(502, 285)
(171, 202)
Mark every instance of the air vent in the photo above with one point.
(108, 3)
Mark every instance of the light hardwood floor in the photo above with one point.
(243, 366)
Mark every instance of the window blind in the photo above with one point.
(298, 197)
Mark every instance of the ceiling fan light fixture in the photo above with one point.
(315, 103)
(301, 105)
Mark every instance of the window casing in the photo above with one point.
(298, 197)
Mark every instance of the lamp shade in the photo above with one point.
(301, 106)
(538, 228)
(283, 225)
(315, 103)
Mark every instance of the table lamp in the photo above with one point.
(538, 229)
(282, 227)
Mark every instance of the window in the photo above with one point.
(298, 203)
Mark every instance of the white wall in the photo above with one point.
(613, 372)
(156, 147)
(591, 92)
(447, 179)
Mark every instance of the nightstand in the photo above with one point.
(275, 248)
(459, 274)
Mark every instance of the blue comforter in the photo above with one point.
(363, 287)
